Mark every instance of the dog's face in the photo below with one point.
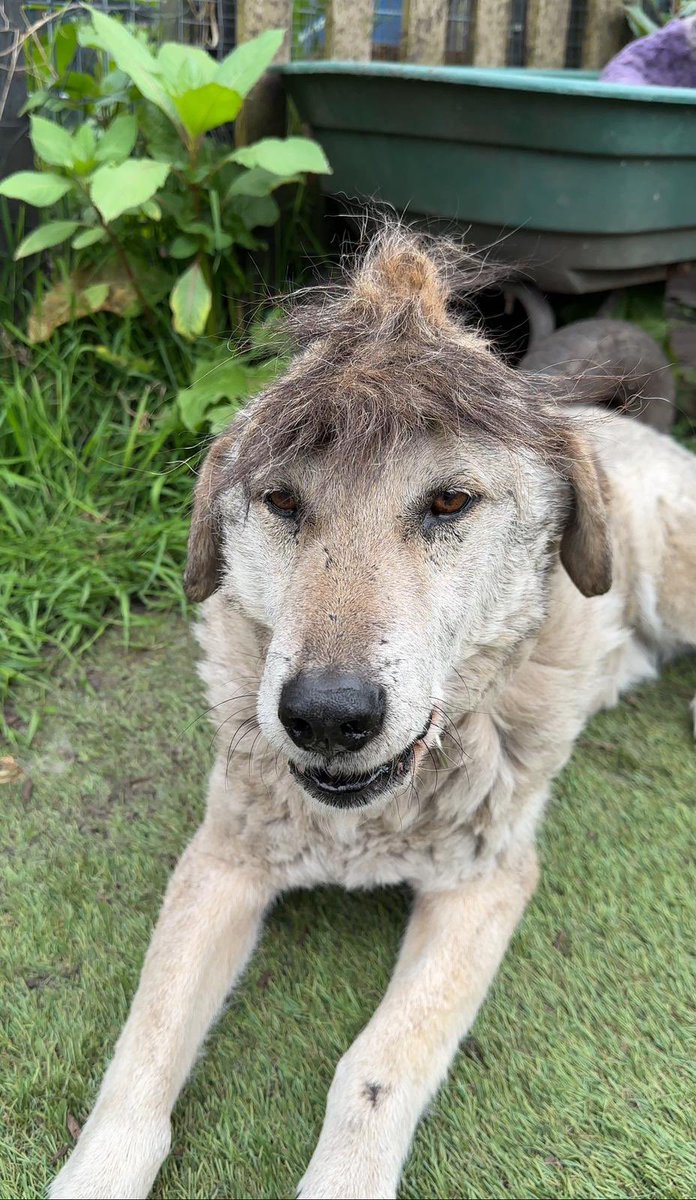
(382, 579)
(376, 586)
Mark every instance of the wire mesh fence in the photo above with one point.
(212, 25)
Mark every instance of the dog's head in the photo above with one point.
(390, 512)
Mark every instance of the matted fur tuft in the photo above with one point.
(382, 359)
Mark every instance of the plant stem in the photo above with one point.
(148, 310)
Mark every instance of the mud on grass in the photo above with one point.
(577, 1079)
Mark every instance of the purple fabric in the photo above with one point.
(666, 58)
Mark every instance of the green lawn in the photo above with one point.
(578, 1080)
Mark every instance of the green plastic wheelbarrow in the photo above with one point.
(586, 185)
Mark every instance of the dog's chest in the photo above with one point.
(432, 837)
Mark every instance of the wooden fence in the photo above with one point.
(349, 25)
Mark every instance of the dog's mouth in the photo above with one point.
(343, 790)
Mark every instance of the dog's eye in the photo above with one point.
(283, 503)
(450, 504)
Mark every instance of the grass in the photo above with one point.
(94, 498)
(95, 484)
(578, 1079)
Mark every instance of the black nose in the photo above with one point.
(330, 711)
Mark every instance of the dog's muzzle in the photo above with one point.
(345, 790)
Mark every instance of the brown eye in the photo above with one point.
(283, 503)
(450, 504)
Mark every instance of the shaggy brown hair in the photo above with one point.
(380, 360)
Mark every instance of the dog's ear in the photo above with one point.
(585, 543)
(204, 558)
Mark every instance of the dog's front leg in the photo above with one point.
(206, 931)
(452, 949)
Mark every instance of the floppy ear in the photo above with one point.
(204, 559)
(585, 543)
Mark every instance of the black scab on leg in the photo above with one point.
(372, 1092)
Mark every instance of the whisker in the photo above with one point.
(212, 707)
(234, 744)
(251, 752)
(222, 724)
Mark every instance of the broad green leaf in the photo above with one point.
(117, 142)
(96, 295)
(183, 247)
(151, 210)
(118, 42)
(284, 156)
(88, 237)
(52, 143)
(223, 378)
(255, 210)
(36, 100)
(220, 416)
(35, 187)
(257, 182)
(64, 46)
(206, 107)
(244, 66)
(45, 236)
(114, 83)
(133, 57)
(183, 68)
(80, 86)
(214, 239)
(116, 189)
(161, 138)
(190, 302)
(84, 146)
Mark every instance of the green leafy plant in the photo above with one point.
(150, 203)
(651, 15)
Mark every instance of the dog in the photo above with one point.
(407, 554)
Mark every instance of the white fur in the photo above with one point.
(537, 659)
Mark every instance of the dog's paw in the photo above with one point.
(113, 1161)
(341, 1179)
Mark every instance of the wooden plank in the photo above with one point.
(265, 111)
(255, 16)
(349, 30)
(491, 33)
(547, 32)
(425, 31)
(605, 32)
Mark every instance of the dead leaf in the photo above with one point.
(59, 1154)
(10, 770)
(74, 1128)
(27, 790)
(108, 289)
